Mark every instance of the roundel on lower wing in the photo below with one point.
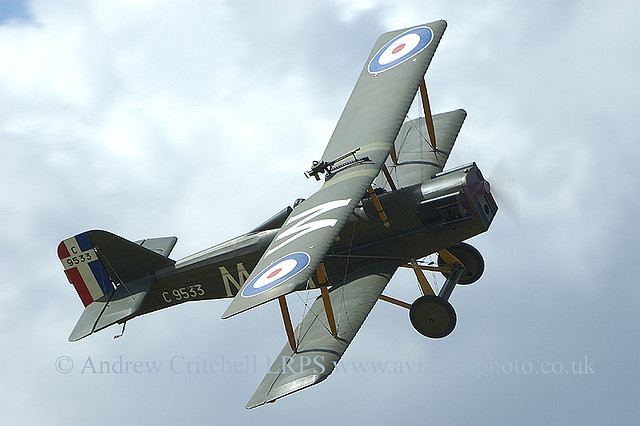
(403, 47)
(276, 273)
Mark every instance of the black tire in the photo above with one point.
(432, 316)
(470, 258)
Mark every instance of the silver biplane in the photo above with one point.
(385, 202)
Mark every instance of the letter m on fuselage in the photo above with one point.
(229, 280)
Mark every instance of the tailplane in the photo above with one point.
(111, 275)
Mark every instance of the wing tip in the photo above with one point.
(283, 390)
(440, 25)
(236, 307)
(461, 111)
(227, 314)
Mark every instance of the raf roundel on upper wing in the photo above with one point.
(279, 271)
(401, 48)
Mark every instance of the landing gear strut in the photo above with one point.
(432, 315)
(470, 258)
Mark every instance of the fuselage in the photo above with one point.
(424, 218)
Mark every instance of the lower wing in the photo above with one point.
(318, 351)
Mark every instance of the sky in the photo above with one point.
(198, 118)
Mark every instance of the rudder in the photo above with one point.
(83, 268)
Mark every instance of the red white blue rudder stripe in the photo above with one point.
(83, 268)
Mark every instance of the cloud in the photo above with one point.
(198, 118)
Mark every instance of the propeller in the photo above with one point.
(505, 190)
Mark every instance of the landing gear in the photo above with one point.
(432, 316)
(470, 258)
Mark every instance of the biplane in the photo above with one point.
(384, 203)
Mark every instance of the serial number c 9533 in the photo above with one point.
(72, 261)
(183, 293)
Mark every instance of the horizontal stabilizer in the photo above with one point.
(162, 245)
(318, 351)
(417, 161)
(112, 308)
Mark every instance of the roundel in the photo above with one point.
(401, 48)
(274, 274)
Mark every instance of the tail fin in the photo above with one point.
(111, 275)
(95, 261)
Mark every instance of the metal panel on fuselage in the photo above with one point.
(365, 238)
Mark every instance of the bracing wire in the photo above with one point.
(104, 258)
(311, 311)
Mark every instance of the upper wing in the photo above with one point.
(354, 156)
(318, 351)
(417, 161)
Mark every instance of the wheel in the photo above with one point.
(432, 316)
(470, 258)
